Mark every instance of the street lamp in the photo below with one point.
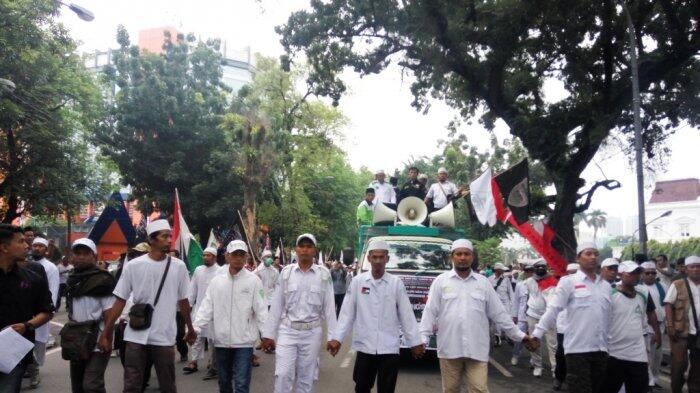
(82, 12)
(644, 246)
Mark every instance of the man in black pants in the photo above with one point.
(377, 293)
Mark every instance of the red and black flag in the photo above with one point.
(515, 188)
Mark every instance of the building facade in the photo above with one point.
(682, 198)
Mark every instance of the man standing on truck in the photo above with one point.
(464, 303)
(378, 310)
(365, 210)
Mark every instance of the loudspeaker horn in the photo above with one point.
(412, 211)
(383, 214)
(444, 217)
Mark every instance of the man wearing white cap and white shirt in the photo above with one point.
(302, 299)
(157, 282)
(460, 305)
(88, 299)
(268, 275)
(608, 270)
(504, 290)
(519, 307)
(682, 326)
(234, 309)
(377, 309)
(199, 283)
(627, 362)
(657, 293)
(383, 191)
(441, 192)
(38, 254)
(540, 289)
(586, 297)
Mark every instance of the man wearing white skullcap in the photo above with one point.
(504, 290)
(682, 326)
(657, 293)
(141, 280)
(442, 192)
(371, 294)
(201, 278)
(42, 335)
(460, 306)
(383, 191)
(586, 297)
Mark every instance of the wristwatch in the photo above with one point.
(28, 327)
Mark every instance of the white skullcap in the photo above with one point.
(40, 240)
(210, 250)
(461, 243)
(422, 176)
(157, 225)
(692, 260)
(266, 253)
(585, 246)
(442, 170)
(540, 262)
(236, 245)
(572, 266)
(499, 266)
(85, 242)
(609, 262)
(379, 172)
(307, 236)
(629, 267)
(648, 265)
(378, 245)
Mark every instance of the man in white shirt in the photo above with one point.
(501, 284)
(665, 271)
(683, 329)
(560, 358)
(64, 269)
(88, 299)
(234, 308)
(303, 298)
(269, 275)
(627, 363)
(199, 283)
(442, 192)
(383, 191)
(38, 254)
(141, 279)
(518, 309)
(657, 293)
(540, 288)
(377, 310)
(460, 305)
(586, 298)
(608, 270)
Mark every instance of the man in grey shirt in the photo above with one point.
(340, 278)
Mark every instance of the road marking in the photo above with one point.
(348, 358)
(500, 368)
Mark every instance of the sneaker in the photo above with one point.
(537, 372)
(34, 381)
(514, 361)
(211, 374)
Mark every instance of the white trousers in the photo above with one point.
(654, 360)
(197, 349)
(296, 359)
(551, 339)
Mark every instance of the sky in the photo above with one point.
(384, 131)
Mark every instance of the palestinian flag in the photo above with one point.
(183, 241)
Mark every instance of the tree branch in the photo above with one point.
(608, 184)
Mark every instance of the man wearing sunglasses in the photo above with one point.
(657, 294)
(608, 270)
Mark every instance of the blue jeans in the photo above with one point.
(12, 382)
(235, 368)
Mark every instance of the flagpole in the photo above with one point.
(247, 238)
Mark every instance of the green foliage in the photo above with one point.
(163, 129)
(492, 59)
(46, 119)
(673, 250)
(489, 251)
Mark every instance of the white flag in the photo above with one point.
(482, 199)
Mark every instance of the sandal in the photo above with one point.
(190, 368)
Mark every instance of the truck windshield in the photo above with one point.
(414, 255)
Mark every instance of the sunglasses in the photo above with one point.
(650, 273)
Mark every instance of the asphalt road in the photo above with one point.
(335, 374)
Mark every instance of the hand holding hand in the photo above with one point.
(333, 347)
(190, 337)
(418, 351)
(267, 344)
(531, 343)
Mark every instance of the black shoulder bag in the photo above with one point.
(78, 339)
(141, 314)
(691, 299)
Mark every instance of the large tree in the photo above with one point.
(47, 110)
(163, 129)
(493, 58)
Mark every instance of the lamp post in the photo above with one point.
(643, 245)
(82, 12)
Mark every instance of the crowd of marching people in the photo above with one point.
(600, 326)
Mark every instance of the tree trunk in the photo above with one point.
(249, 218)
(562, 219)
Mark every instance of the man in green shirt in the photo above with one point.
(365, 211)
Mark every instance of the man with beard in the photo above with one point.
(38, 253)
(89, 297)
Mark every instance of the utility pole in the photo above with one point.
(636, 102)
